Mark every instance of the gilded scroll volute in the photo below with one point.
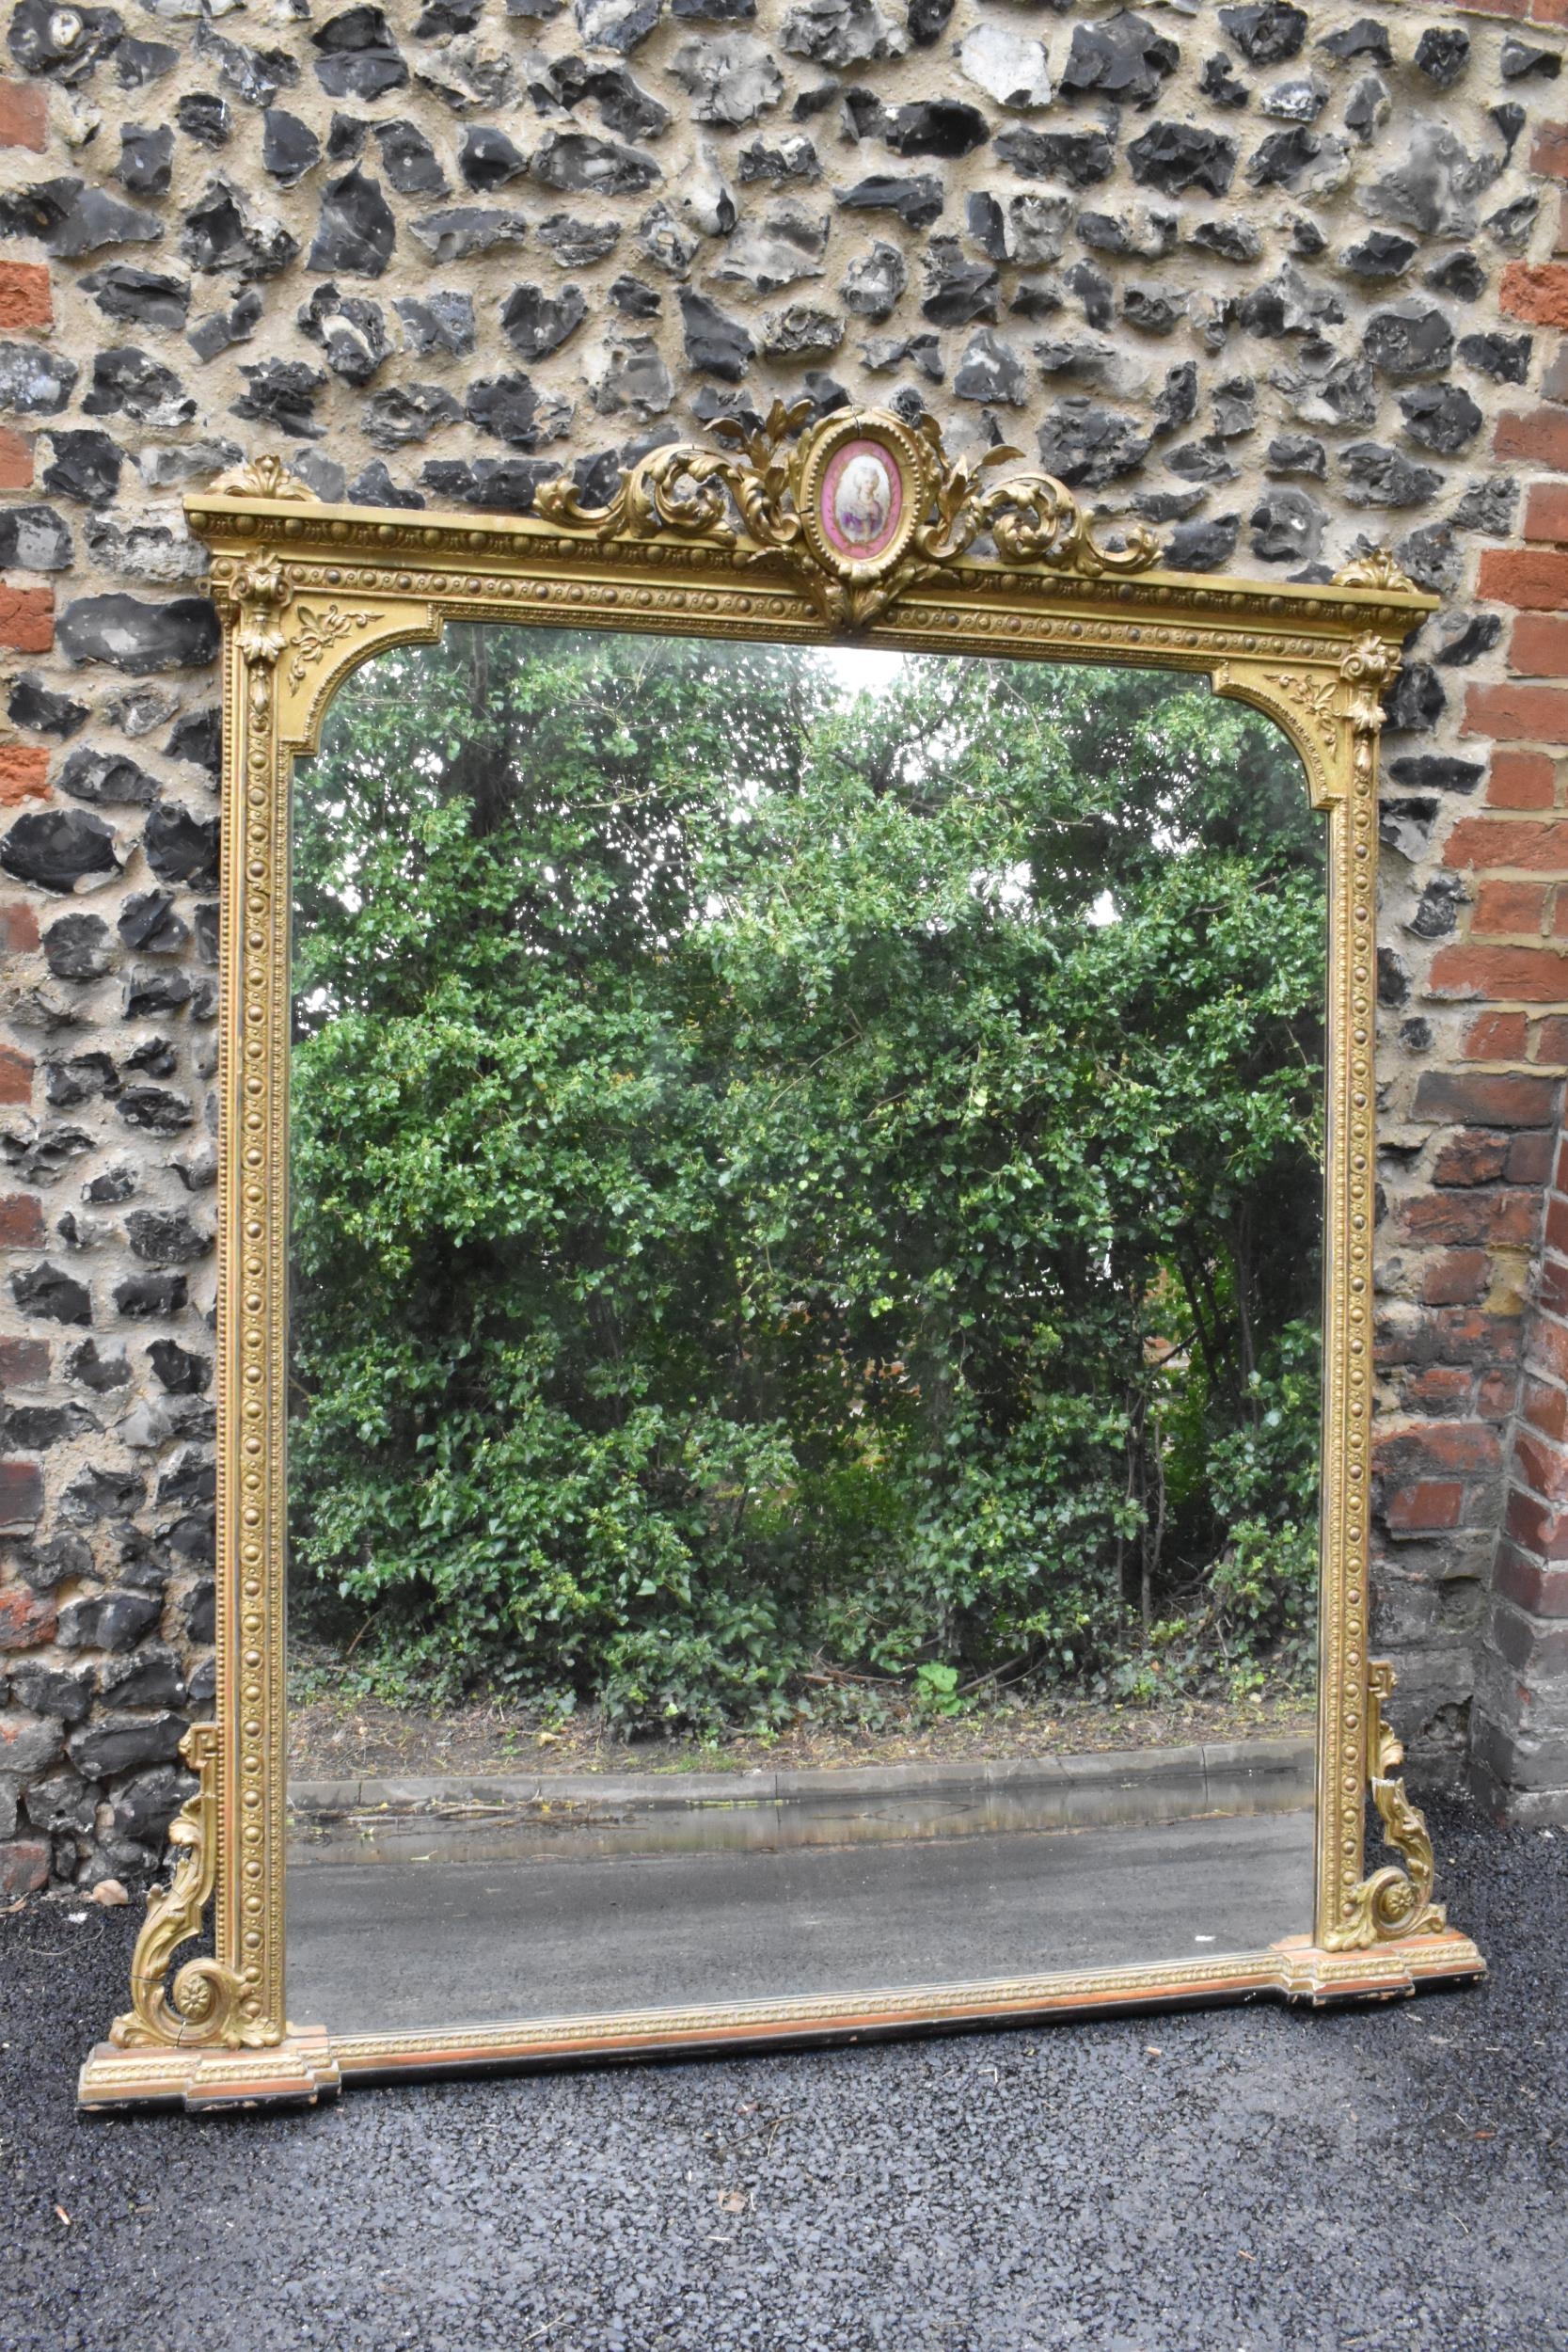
(202, 2005)
(1396, 1901)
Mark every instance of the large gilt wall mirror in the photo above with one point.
(794, 1322)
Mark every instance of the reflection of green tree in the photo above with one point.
(783, 1175)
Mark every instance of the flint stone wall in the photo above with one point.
(1280, 281)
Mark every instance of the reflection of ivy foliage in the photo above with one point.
(791, 1175)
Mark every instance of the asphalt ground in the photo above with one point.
(1220, 2182)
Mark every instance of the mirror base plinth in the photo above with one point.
(1324, 1980)
(311, 2064)
(296, 2072)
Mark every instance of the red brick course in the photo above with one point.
(1534, 578)
(1429, 1508)
(1449, 1335)
(23, 773)
(1537, 1526)
(16, 459)
(1541, 1465)
(1539, 435)
(1539, 645)
(1491, 1219)
(25, 295)
(24, 1363)
(1489, 1098)
(1548, 1347)
(1534, 975)
(1556, 1227)
(1530, 1576)
(22, 1224)
(1547, 507)
(21, 1496)
(23, 116)
(1535, 290)
(1549, 153)
(1452, 1447)
(26, 1618)
(1519, 1577)
(1460, 1278)
(1520, 844)
(1528, 1627)
(1551, 1287)
(27, 617)
(1497, 1037)
(1506, 910)
(19, 927)
(1546, 1408)
(1529, 1159)
(1517, 714)
(16, 1075)
(1440, 1389)
(1471, 1158)
(1522, 780)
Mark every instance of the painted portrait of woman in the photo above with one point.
(863, 500)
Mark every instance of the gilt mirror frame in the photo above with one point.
(745, 542)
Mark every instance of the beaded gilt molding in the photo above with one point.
(857, 525)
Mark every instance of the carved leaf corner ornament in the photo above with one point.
(861, 506)
(320, 629)
(1393, 1902)
(205, 2003)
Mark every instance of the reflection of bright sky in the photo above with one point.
(864, 669)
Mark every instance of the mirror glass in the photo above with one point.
(806, 1219)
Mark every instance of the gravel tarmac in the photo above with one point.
(1229, 2182)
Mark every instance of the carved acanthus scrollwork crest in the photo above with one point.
(1393, 1902)
(202, 2005)
(265, 478)
(770, 494)
(1376, 569)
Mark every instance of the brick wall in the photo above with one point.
(1283, 282)
(1518, 851)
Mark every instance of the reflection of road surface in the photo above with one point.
(406, 1944)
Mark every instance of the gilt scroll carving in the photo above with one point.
(203, 2003)
(769, 494)
(1395, 1902)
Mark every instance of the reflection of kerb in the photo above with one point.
(595, 1815)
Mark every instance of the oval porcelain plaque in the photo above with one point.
(863, 500)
